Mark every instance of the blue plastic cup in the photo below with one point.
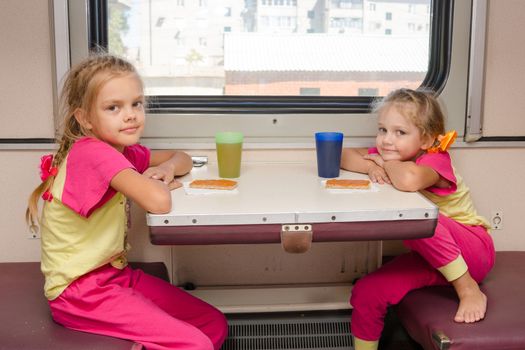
(329, 146)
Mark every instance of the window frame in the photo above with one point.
(279, 128)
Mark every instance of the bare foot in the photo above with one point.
(472, 301)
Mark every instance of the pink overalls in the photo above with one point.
(131, 304)
(88, 285)
(386, 286)
(452, 242)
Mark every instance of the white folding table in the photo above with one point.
(275, 198)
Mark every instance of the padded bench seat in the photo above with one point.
(427, 314)
(25, 319)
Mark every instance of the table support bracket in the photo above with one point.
(296, 238)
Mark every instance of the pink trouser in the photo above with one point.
(131, 304)
(374, 293)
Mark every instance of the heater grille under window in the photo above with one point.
(294, 333)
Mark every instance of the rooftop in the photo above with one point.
(251, 52)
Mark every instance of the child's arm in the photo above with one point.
(410, 177)
(352, 159)
(145, 189)
(165, 165)
(152, 195)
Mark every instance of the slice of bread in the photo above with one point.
(348, 184)
(219, 184)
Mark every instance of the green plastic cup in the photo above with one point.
(229, 152)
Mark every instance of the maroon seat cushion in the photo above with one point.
(25, 319)
(427, 311)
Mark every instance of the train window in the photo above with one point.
(264, 48)
(301, 63)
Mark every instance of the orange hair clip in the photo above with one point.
(443, 142)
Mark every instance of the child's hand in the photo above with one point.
(174, 184)
(376, 172)
(162, 172)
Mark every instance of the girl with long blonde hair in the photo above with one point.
(85, 184)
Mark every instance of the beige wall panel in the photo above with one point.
(19, 176)
(495, 178)
(504, 105)
(263, 264)
(26, 98)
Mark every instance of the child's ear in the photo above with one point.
(426, 142)
(82, 119)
